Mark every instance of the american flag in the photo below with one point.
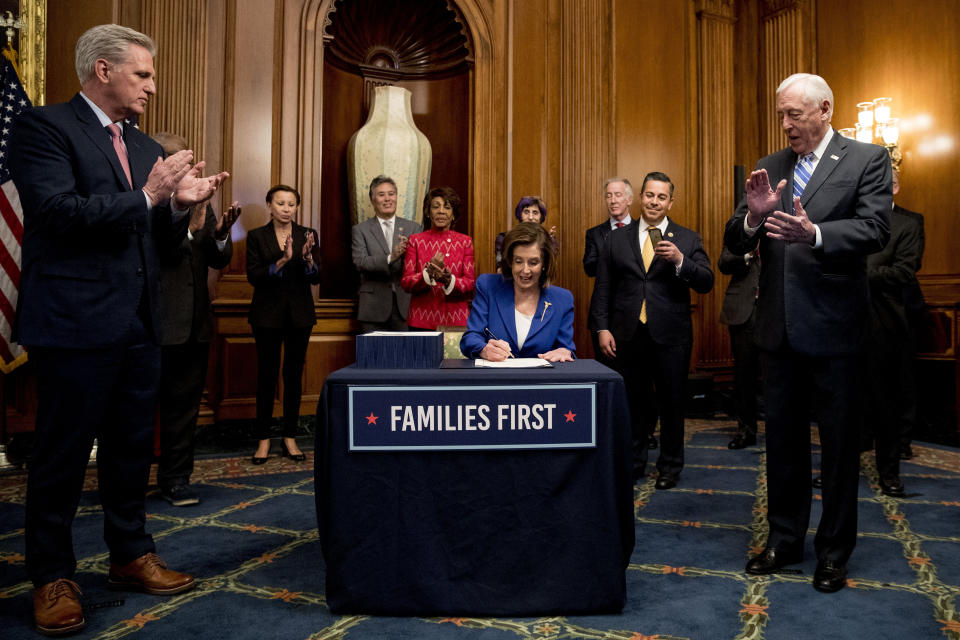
(13, 100)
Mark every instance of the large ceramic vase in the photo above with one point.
(389, 144)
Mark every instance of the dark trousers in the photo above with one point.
(793, 386)
(183, 372)
(907, 407)
(108, 394)
(294, 341)
(885, 398)
(746, 375)
(656, 379)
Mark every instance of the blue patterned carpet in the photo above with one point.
(252, 544)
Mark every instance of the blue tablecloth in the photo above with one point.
(499, 533)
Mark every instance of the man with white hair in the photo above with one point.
(100, 204)
(814, 212)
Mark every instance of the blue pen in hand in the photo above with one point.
(490, 335)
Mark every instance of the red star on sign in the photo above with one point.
(570, 415)
(371, 419)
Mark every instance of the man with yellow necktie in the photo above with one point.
(641, 312)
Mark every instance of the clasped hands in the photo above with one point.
(762, 201)
(437, 269)
(306, 253)
(174, 177)
(224, 221)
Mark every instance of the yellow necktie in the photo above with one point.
(647, 254)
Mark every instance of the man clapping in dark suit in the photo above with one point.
(99, 204)
(641, 310)
(816, 210)
(187, 329)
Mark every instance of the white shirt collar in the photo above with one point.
(662, 225)
(822, 147)
(100, 113)
(626, 220)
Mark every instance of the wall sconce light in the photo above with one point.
(11, 25)
(874, 121)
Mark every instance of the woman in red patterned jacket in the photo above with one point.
(438, 267)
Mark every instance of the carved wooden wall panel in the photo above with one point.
(787, 48)
(716, 150)
(179, 27)
(587, 157)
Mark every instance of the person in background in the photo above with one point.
(187, 329)
(528, 209)
(378, 246)
(438, 269)
(914, 307)
(283, 260)
(738, 311)
(641, 311)
(100, 203)
(892, 274)
(517, 312)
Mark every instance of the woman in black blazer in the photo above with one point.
(282, 262)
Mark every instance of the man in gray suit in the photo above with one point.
(815, 211)
(185, 343)
(378, 247)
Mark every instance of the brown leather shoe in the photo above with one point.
(149, 574)
(56, 608)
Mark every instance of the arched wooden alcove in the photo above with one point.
(461, 109)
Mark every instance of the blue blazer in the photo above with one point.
(493, 309)
(90, 245)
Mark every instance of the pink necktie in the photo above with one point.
(121, 151)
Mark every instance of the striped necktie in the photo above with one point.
(801, 175)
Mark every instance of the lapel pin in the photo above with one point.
(670, 234)
(834, 157)
(545, 305)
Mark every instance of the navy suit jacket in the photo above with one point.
(492, 308)
(818, 299)
(623, 284)
(90, 243)
(892, 274)
(185, 308)
(741, 296)
(593, 245)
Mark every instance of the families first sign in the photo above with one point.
(543, 416)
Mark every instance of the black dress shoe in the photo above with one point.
(258, 460)
(830, 576)
(296, 457)
(817, 482)
(665, 482)
(906, 452)
(893, 488)
(770, 560)
(742, 440)
(652, 442)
